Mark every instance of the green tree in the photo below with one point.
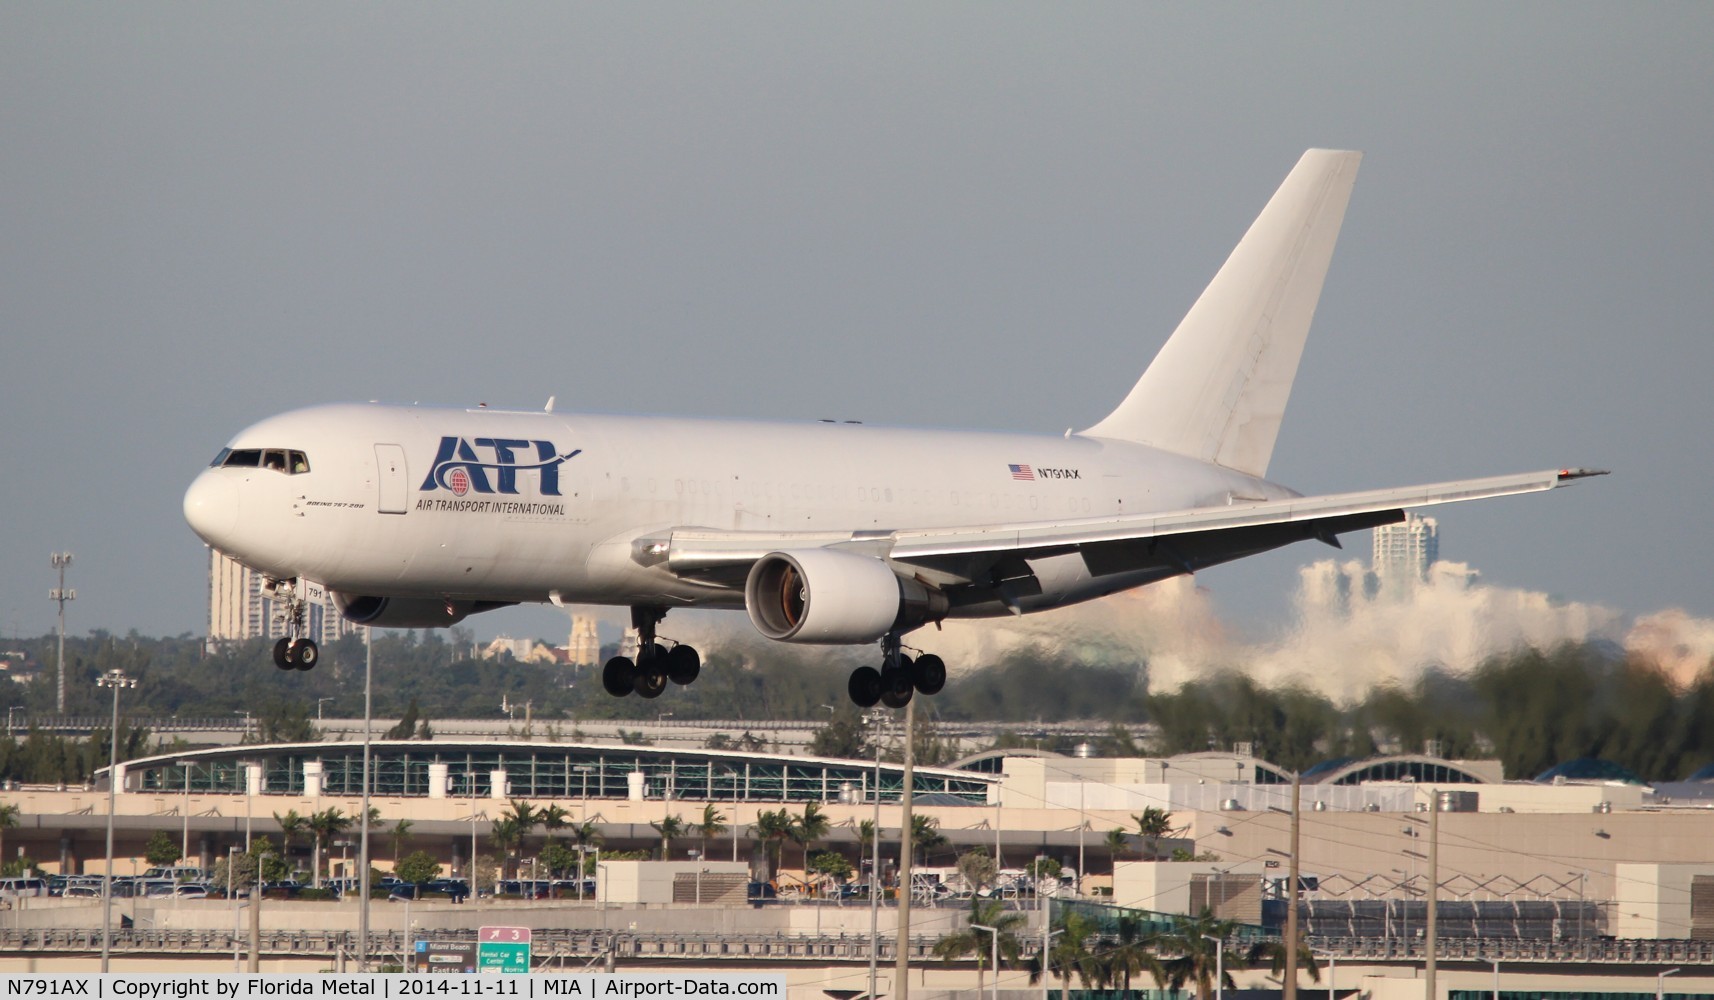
(980, 943)
(162, 850)
(712, 824)
(1068, 955)
(418, 868)
(977, 869)
(830, 864)
(809, 828)
(1272, 953)
(844, 736)
(1192, 942)
(1118, 842)
(1131, 955)
(325, 826)
(926, 837)
(9, 813)
(1153, 823)
(400, 836)
(507, 834)
(292, 826)
(669, 828)
(559, 860)
(773, 829)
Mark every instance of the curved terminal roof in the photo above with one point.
(993, 761)
(401, 768)
(1261, 772)
(1589, 769)
(1399, 767)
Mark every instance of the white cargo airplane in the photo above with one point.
(825, 532)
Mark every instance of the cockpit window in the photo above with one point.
(278, 459)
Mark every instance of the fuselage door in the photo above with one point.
(395, 490)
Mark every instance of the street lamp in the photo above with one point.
(994, 933)
(320, 702)
(114, 679)
(1660, 984)
(184, 848)
(1219, 965)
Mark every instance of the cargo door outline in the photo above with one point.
(391, 479)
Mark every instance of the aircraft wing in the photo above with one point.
(1183, 540)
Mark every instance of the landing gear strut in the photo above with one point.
(900, 676)
(296, 651)
(656, 664)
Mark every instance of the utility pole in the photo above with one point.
(1291, 938)
(902, 968)
(61, 594)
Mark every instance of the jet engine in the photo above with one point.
(409, 612)
(835, 597)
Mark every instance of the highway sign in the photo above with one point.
(503, 949)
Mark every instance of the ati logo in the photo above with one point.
(460, 469)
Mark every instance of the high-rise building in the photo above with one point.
(584, 647)
(239, 609)
(1404, 551)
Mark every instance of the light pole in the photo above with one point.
(1046, 942)
(61, 594)
(874, 868)
(114, 679)
(1219, 965)
(320, 702)
(994, 963)
(184, 848)
(1660, 984)
(363, 822)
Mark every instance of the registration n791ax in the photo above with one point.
(827, 532)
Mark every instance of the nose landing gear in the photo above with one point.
(656, 664)
(898, 679)
(296, 651)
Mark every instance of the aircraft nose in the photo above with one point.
(211, 508)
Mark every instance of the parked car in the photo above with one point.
(761, 890)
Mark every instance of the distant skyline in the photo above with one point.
(931, 215)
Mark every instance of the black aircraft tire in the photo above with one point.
(304, 654)
(653, 653)
(619, 677)
(683, 664)
(929, 674)
(896, 688)
(282, 654)
(864, 687)
(650, 684)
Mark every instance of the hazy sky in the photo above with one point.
(974, 215)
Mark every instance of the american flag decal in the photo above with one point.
(1022, 472)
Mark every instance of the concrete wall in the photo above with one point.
(1653, 900)
(652, 881)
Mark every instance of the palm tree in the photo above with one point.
(1118, 842)
(1198, 942)
(669, 827)
(1274, 954)
(970, 940)
(925, 835)
(809, 828)
(401, 835)
(713, 824)
(1153, 823)
(773, 829)
(507, 834)
(8, 821)
(1132, 955)
(1069, 954)
(325, 825)
(553, 819)
(292, 826)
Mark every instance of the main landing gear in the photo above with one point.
(656, 664)
(900, 676)
(295, 651)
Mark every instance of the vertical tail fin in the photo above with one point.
(1218, 388)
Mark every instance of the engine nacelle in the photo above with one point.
(835, 597)
(409, 612)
